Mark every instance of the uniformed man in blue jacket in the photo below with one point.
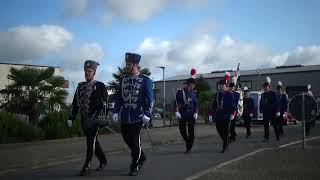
(187, 112)
(224, 111)
(248, 109)
(90, 100)
(133, 105)
(283, 104)
(269, 107)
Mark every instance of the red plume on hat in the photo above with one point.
(227, 76)
(193, 73)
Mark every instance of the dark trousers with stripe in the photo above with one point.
(273, 121)
(222, 125)
(247, 121)
(280, 124)
(93, 146)
(188, 135)
(131, 136)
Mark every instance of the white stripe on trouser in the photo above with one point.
(94, 146)
(139, 146)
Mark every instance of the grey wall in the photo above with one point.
(288, 79)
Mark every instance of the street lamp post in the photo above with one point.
(259, 75)
(164, 95)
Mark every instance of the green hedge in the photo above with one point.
(55, 126)
(14, 129)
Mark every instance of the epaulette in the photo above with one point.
(145, 76)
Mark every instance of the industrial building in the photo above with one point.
(293, 78)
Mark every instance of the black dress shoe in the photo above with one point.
(133, 171)
(141, 162)
(223, 150)
(84, 171)
(101, 166)
(187, 151)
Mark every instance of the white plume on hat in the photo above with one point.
(268, 79)
(308, 86)
(245, 88)
(279, 83)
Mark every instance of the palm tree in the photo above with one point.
(33, 91)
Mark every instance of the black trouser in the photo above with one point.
(233, 133)
(93, 146)
(131, 136)
(188, 137)
(280, 124)
(247, 122)
(222, 126)
(266, 121)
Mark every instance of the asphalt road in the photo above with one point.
(168, 161)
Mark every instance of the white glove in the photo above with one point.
(231, 117)
(115, 117)
(251, 115)
(278, 114)
(195, 116)
(178, 115)
(69, 123)
(210, 119)
(145, 118)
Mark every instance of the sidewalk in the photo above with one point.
(284, 163)
(15, 157)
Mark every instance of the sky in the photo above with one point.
(207, 35)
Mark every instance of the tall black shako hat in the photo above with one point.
(133, 58)
(191, 80)
(91, 64)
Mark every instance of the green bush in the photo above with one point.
(14, 129)
(55, 126)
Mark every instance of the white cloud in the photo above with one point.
(25, 43)
(73, 57)
(74, 8)
(208, 54)
(106, 19)
(304, 55)
(136, 10)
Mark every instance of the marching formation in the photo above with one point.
(134, 103)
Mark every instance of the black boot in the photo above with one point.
(224, 148)
(84, 171)
(133, 170)
(101, 166)
(141, 161)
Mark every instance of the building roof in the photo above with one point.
(276, 70)
(16, 64)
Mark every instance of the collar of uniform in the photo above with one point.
(136, 75)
